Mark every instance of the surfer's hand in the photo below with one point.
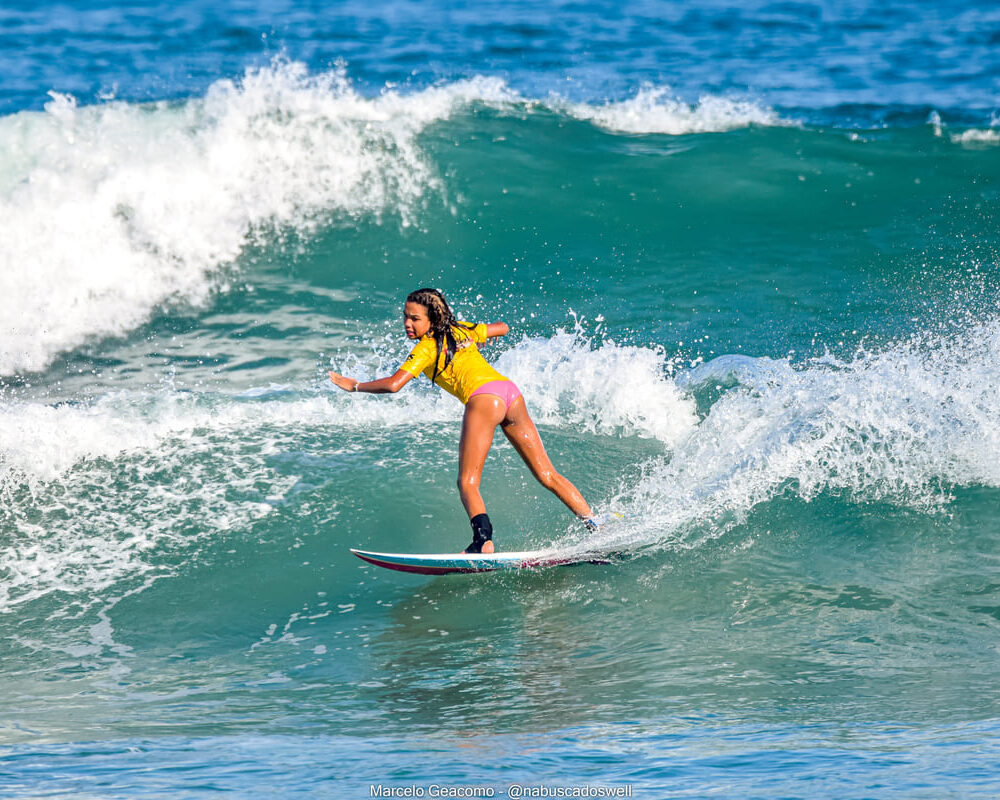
(343, 382)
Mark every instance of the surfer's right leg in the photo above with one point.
(521, 432)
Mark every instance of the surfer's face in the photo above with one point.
(415, 320)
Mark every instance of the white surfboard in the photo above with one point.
(450, 563)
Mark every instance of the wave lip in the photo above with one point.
(115, 209)
(654, 109)
(977, 136)
(969, 137)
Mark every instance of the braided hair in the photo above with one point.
(443, 323)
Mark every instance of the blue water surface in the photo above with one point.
(805, 55)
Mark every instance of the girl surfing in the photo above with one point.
(447, 353)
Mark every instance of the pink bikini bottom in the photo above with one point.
(505, 390)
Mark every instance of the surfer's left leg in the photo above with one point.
(521, 432)
(482, 415)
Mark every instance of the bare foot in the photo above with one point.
(487, 548)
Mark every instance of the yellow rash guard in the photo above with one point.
(467, 371)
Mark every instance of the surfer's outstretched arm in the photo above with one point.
(389, 385)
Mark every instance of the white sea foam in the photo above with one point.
(41, 443)
(654, 109)
(904, 426)
(95, 494)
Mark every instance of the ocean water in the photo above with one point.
(749, 258)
